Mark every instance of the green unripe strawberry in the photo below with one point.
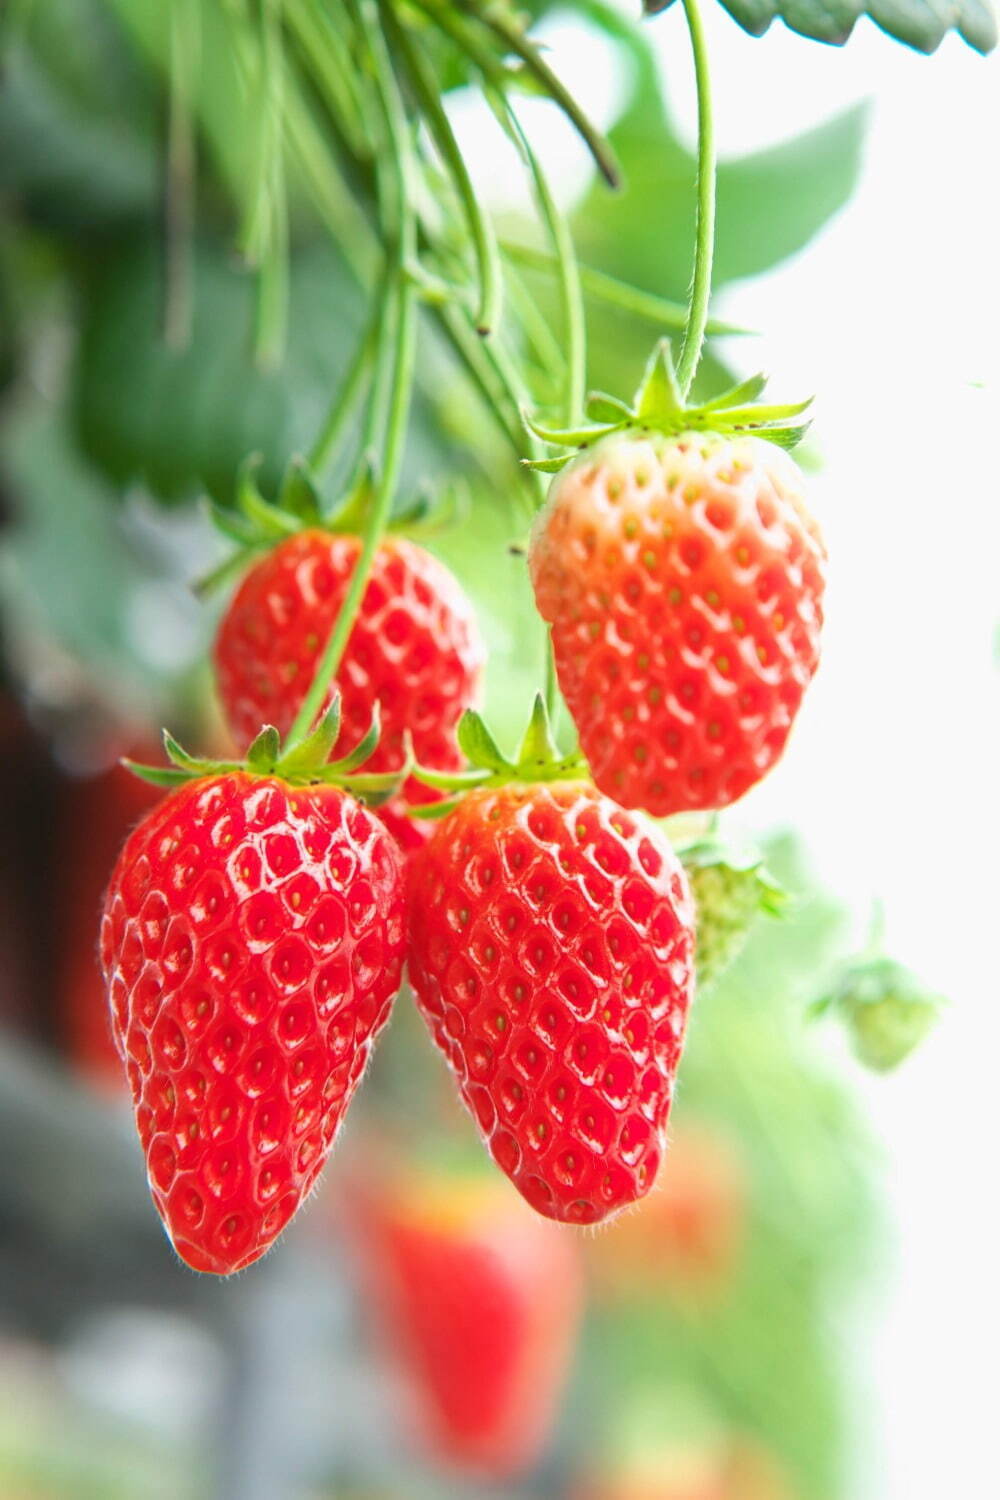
(730, 891)
(886, 1009)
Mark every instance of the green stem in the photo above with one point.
(323, 450)
(567, 271)
(396, 171)
(621, 294)
(701, 286)
(480, 229)
(180, 174)
(272, 207)
(509, 32)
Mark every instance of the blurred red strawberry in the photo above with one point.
(478, 1299)
(688, 1234)
(97, 813)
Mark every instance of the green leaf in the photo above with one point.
(747, 390)
(182, 420)
(922, 24)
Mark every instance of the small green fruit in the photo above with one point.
(730, 891)
(886, 1010)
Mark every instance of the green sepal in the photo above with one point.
(659, 407)
(538, 746)
(353, 510)
(306, 763)
(478, 745)
(606, 409)
(233, 525)
(754, 416)
(270, 520)
(538, 758)
(364, 748)
(263, 754)
(299, 496)
(747, 390)
(156, 775)
(193, 765)
(432, 812)
(658, 401)
(315, 749)
(451, 781)
(546, 465)
(568, 437)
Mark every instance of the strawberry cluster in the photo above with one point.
(258, 921)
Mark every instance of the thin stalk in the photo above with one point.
(180, 170)
(514, 39)
(324, 449)
(701, 284)
(621, 294)
(395, 170)
(272, 276)
(549, 355)
(566, 268)
(480, 228)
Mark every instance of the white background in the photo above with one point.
(892, 318)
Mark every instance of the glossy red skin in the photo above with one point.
(683, 582)
(551, 955)
(415, 649)
(480, 1302)
(95, 818)
(252, 944)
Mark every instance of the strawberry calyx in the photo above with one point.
(303, 762)
(659, 407)
(710, 852)
(537, 759)
(255, 524)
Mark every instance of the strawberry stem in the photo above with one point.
(701, 285)
(324, 449)
(398, 334)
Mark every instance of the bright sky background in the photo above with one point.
(893, 319)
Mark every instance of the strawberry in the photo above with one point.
(886, 1010)
(479, 1300)
(682, 578)
(551, 956)
(252, 944)
(415, 649)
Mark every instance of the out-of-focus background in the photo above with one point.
(806, 1309)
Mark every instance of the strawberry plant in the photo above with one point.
(415, 455)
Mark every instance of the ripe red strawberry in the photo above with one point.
(415, 648)
(683, 580)
(479, 1300)
(252, 944)
(96, 814)
(551, 955)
